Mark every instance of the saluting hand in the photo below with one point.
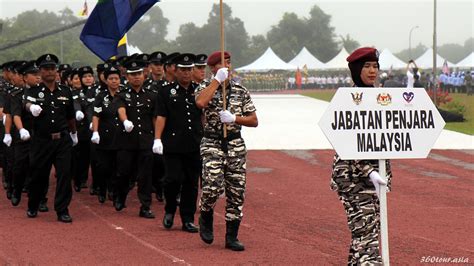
(128, 125)
(35, 110)
(227, 117)
(377, 180)
(95, 137)
(24, 134)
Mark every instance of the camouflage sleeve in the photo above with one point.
(364, 166)
(199, 88)
(248, 106)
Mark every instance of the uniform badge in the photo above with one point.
(48, 58)
(81, 94)
(127, 95)
(106, 99)
(41, 95)
(173, 91)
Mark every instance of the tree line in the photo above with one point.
(149, 34)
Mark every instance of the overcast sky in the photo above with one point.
(379, 23)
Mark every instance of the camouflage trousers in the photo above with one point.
(223, 172)
(363, 218)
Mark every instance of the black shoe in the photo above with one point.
(93, 191)
(65, 218)
(77, 188)
(31, 213)
(168, 220)
(16, 198)
(110, 196)
(9, 194)
(206, 230)
(101, 198)
(159, 197)
(119, 205)
(43, 207)
(146, 213)
(231, 241)
(190, 227)
(83, 185)
(5, 185)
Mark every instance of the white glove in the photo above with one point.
(35, 110)
(377, 180)
(7, 140)
(24, 134)
(157, 146)
(95, 137)
(79, 115)
(90, 126)
(227, 117)
(4, 119)
(222, 74)
(128, 125)
(74, 138)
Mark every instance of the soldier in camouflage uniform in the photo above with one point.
(224, 159)
(357, 181)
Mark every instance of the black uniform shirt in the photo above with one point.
(82, 103)
(105, 108)
(140, 108)
(57, 108)
(16, 108)
(183, 128)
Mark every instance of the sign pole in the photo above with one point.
(224, 99)
(383, 215)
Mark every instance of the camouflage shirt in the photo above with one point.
(239, 103)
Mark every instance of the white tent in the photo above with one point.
(267, 61)
(339, 61)
(466, 62)
(426, 60)
(387, 60)
(306, 58)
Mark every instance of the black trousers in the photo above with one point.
(8, 160)
(45, 153)
(21, 166)
(93, 162)
(81, 157)
(158, 173)
(106, 170)
(137, 163)
(182, 172)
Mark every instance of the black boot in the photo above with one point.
(206, 230)
(231, 241)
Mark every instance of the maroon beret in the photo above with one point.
(364, 54)
(215, 57)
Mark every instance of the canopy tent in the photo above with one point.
(339, 61)
(426, 60)
(466, 62)
(266, 62)
(387, 60)
(306, 58)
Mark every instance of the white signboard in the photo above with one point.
(381, 123)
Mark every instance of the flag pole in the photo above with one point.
(224, 99)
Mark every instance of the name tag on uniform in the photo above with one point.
(31, 99)
(62, 98)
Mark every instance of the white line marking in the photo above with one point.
(139, 240)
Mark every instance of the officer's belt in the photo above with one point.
(216, 136)
(53, 136)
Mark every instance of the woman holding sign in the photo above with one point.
(357, 181)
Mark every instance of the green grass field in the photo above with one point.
(466, 127)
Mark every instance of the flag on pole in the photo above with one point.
(445, 68)
(108, 23)
(122, 46)
(85, 11)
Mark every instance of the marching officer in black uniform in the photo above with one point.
(105, 126)
(54, 129)
(81, 152)
(178, 133)
(136, 108)
(23, 122)
(155, 83)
